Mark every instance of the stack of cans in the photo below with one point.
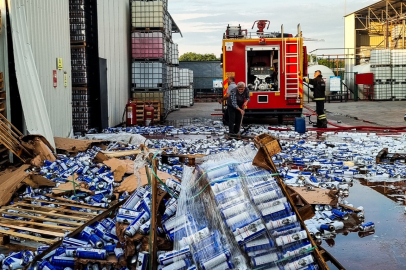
(262, 222)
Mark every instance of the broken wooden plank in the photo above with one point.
(4, 239)
(117, 154)
(58, 209)
(51, 233)
(29, 237)
(45, 213)
(356, 210)
(78, 230)
(58, 221)
(66, 204)
(21, 222)
(75, 203)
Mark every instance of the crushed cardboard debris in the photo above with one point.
(114, 163)
(100, 158)
(70, 186)
(74, 145)
(119, 173)
(36, 181)
(39, 146)
(315, 196)
(130, 184)
(10, 182)
(37, 161)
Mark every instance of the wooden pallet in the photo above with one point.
(78, 230)
(37, 215)
(147, 29)
(140, 105)
(78, 43)
(385, 157)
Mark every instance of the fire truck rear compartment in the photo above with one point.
(262, 67)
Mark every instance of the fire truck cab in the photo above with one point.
(271, 64)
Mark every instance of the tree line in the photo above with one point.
(191, 56)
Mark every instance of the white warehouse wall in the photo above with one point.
(49, 34)
(114, 41)
(349, 45)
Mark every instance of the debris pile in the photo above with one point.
(224, 214)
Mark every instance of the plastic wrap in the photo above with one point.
(249, 206)
(197, 228)
(217, 223)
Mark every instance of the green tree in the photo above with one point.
(309, 58)
(331, 63)
(190, 56)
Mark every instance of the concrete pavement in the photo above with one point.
(361, 113)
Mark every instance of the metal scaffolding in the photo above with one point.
(384, 19)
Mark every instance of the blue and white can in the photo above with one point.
(215, 261)
(142, 261)
(90, 253)
(272, 225)
(13, 263)
(67, 241)
(178, 265)
(249, 232)
(136, 224)
(266, 260)
(119, 252)
(45, 265)
(172, 256)
(62, 261)
(300, 263)
(365, 227)
(260, 243)
(291, 238)
(96, 241)
(86, 233)
(196, 237)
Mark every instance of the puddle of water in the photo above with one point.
(386, 249)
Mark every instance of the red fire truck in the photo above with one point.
(271, 64)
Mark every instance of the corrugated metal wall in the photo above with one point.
(4, 56)
(48, 30)
(114, 33)
(204, 72)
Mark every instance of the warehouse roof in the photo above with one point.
(175, 28)
(381, 5)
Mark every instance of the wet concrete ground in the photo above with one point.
(386, 249)
(383, 202)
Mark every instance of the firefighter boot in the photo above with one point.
(323, 123)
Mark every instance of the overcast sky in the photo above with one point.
(203, 22)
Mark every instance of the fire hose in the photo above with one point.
(338, 128)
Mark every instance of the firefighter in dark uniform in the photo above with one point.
(319, 93)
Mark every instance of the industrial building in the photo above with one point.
(375, 41)
(72, 65)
